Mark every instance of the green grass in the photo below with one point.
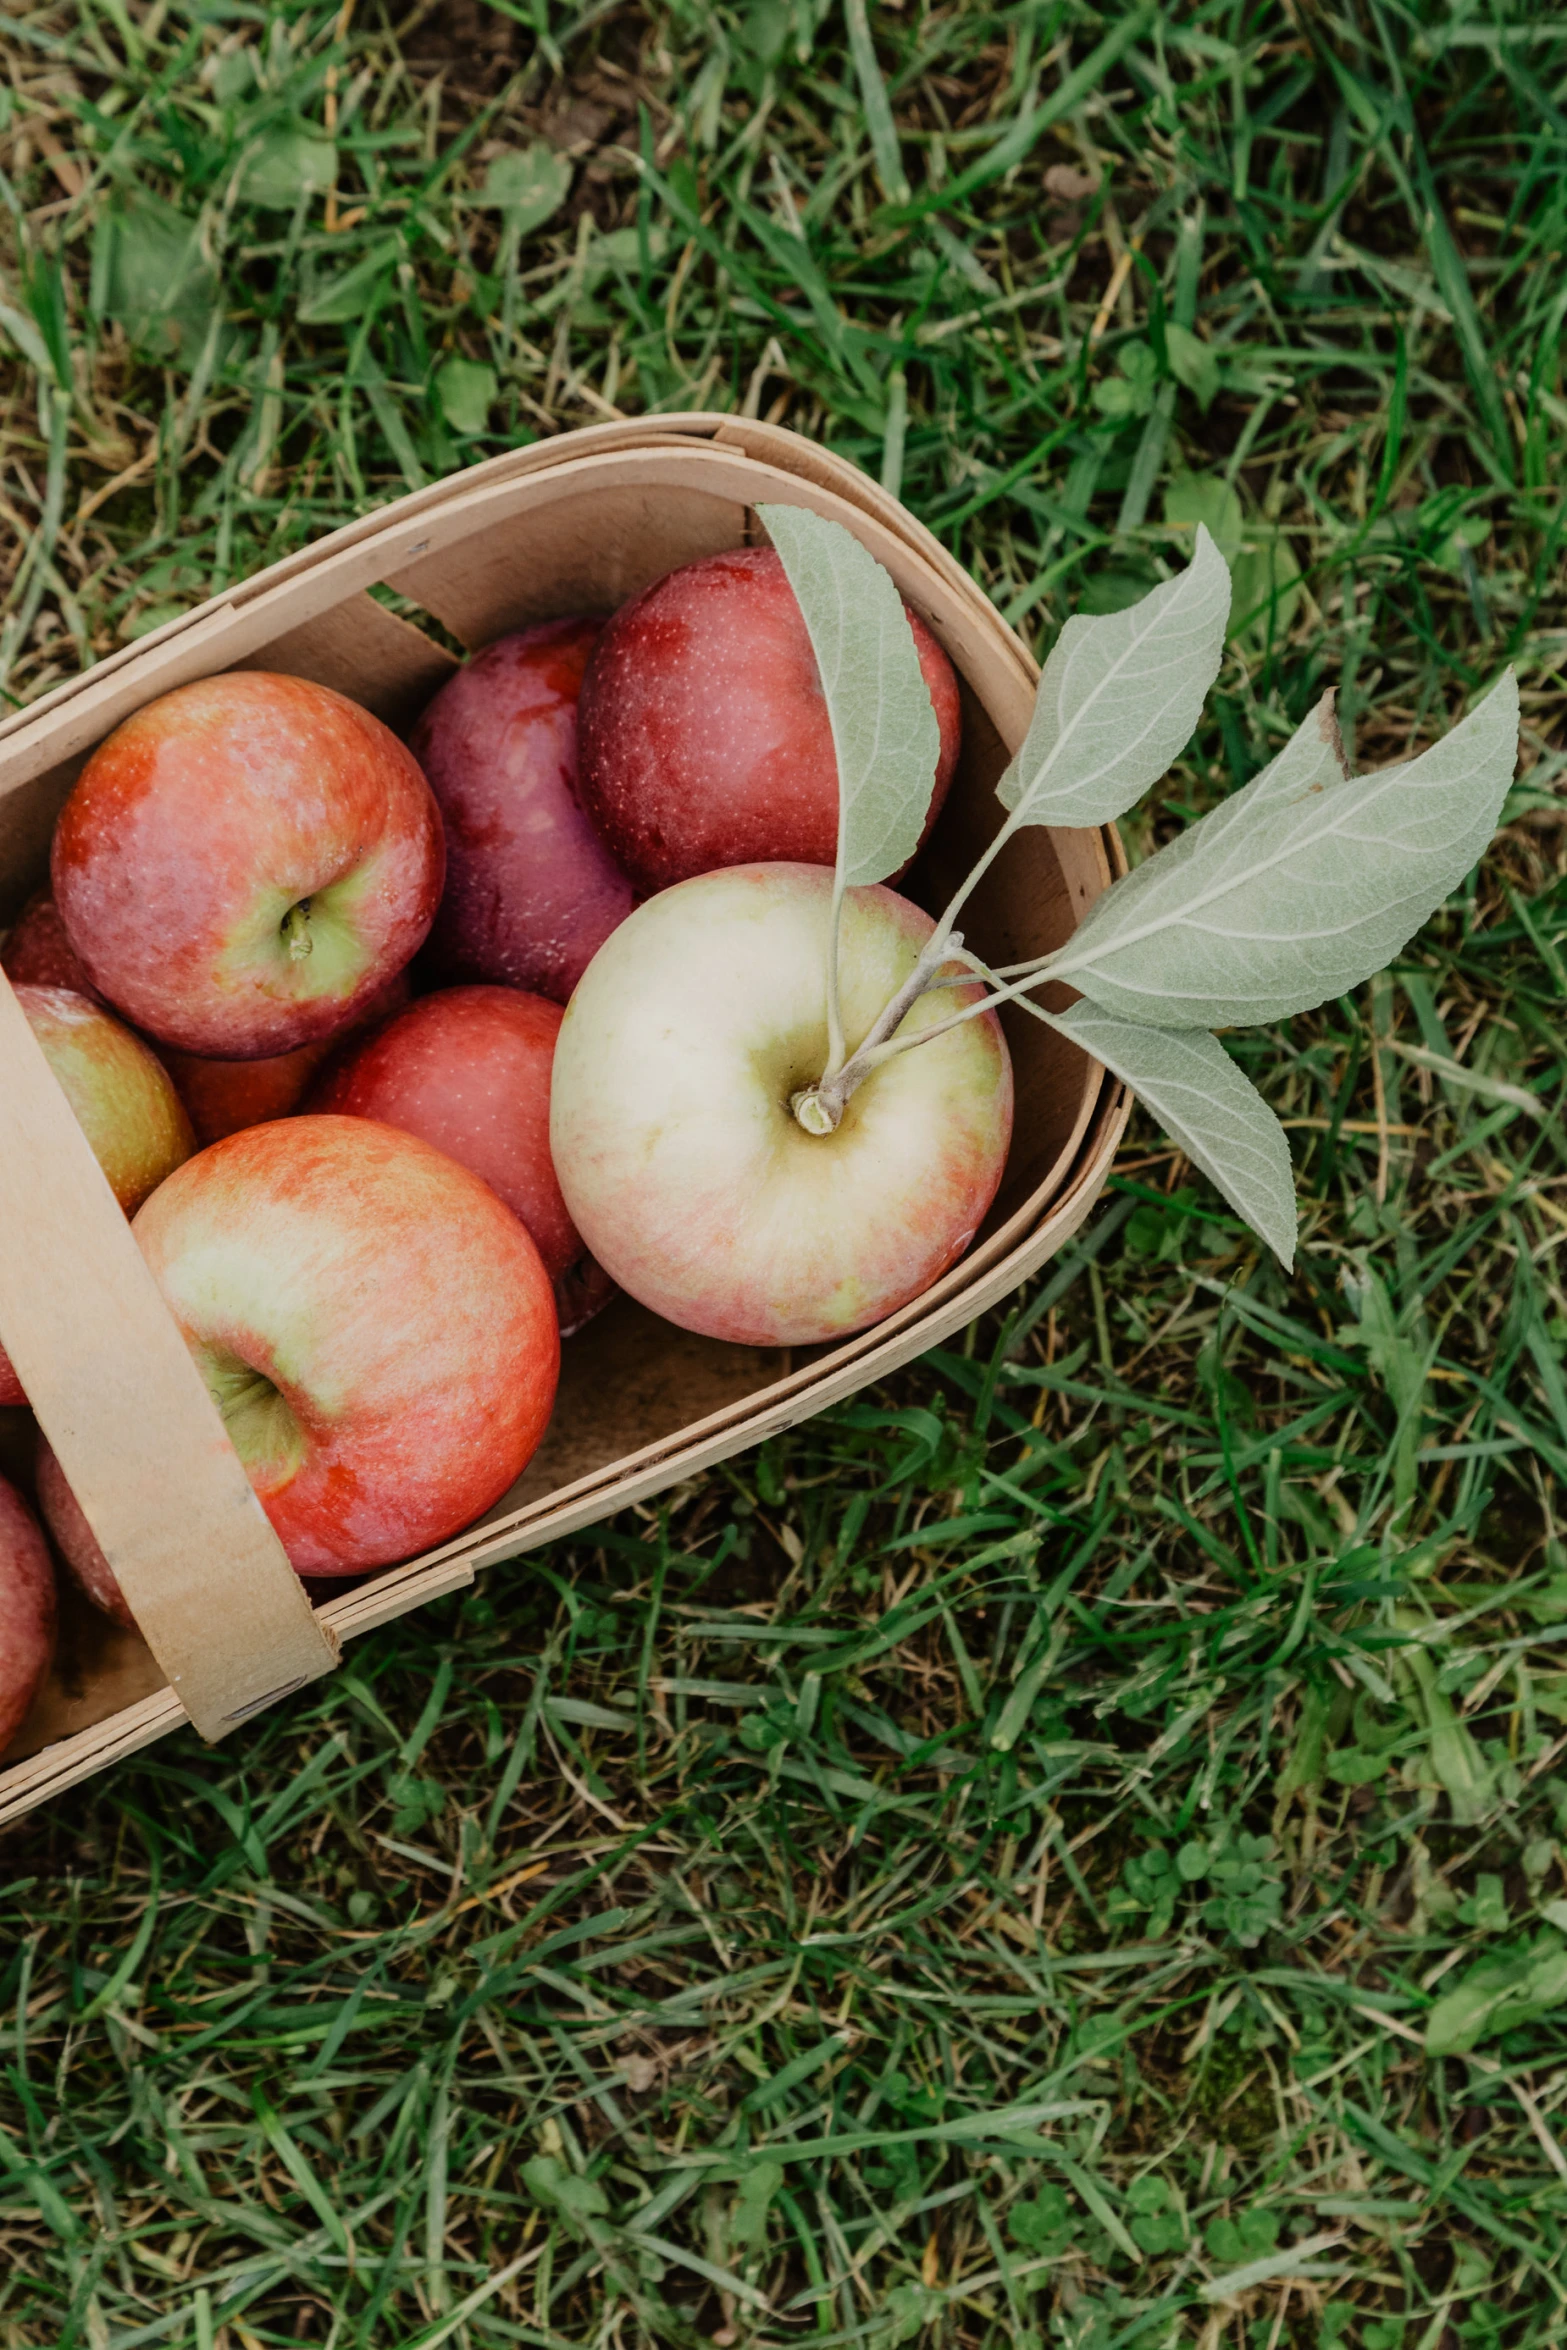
(996, 1866)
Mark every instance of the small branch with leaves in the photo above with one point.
(1297, 888)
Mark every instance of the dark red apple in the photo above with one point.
(224, 1097)
(27, 1611)
(245, 863)
(38, 953)
(531, 891)
(469, 1071)
(705, 739)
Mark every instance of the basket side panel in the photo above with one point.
(383, 663)
(26, 828)
(570, 559)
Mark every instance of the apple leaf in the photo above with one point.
(1207, 1105)
(1302, 885)
(884, 729)
(1119, 699)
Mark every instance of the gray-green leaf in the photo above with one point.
(1207, 1105)
(465, 389)
(527, 184)
(285, 165)
(884, 729)
(1497, 1996)
(151, 272)
(1120, 697)
(1302, 885)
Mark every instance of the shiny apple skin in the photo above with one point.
(376, 1329)
(705, 739)
(27, 1611)
(123, 1098)
(468, 1071)
(38, 953)
(679, 1157)
(201, 824)
(531, 891)
(224, 1097)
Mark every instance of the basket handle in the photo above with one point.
(128, 1414)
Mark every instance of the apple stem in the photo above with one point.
(819, 1108)
(837, 1050)
(962, 894)
(1034, 976)
(296, 929)
(813, 1111)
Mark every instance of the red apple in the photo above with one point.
(469, 1071)
(376, 1329)
(705, 735)
(531, 891)
(39, 953)
(672, 1124)
(123, 1097)
(76, 1541)
(244, 863)
(224, 1097)
(27, 1611)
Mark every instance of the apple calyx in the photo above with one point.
(295, 927)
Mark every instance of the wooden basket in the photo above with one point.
(572, 525)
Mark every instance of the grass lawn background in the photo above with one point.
(1067, 1849)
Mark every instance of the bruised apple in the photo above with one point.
(375, 1328)
(244, 863)
(705, 736)
(224, 1097)
(531, 891)
(27, 1611)
(469, 1071)
(123, 1097)
(679, 1152)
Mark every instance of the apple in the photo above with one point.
(244, 863)
(705, 734)
(39, 952)
(76, 1541)
(123, 1097)
(468, 1070)
(224, 1097)
(531, 891)
(680, 1156)
(27, 1611)
(376, 1329)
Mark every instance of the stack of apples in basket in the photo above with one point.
(303, 985)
